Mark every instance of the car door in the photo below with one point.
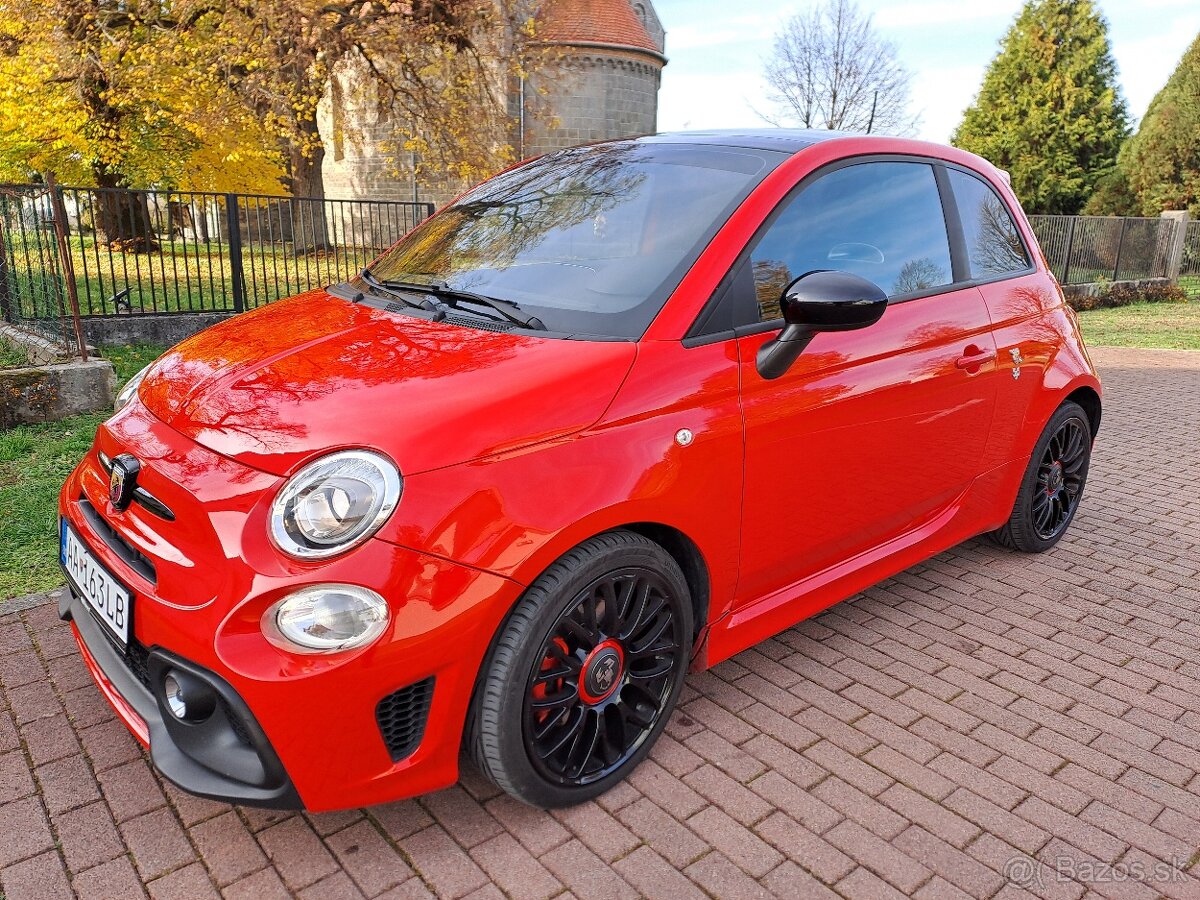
(871, 434)
(1022, 302)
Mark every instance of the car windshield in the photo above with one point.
(591, 240)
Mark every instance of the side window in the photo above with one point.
(882, 221)
(994, 245)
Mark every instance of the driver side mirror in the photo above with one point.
(815, 302)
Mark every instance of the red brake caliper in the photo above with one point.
(542, 688)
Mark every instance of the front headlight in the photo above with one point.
(130, 390)
(326, 618)
(334, 503)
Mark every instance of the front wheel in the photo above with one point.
(585, 673)
(1052, 485)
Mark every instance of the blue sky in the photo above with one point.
(716, 50)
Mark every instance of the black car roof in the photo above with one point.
(783, 140)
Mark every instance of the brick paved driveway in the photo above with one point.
(930, 738)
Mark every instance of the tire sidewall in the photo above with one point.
(519, 648)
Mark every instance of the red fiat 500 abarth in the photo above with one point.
(619, 412)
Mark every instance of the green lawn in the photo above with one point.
(34, 461)
(11, 356)
(1171, 326)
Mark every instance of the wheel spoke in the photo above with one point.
(631, 713)
(574, 723)
(608, 593)
(646, 619)
(583, 746)
(549, 676)
(574, 629)
(662, 668)
(556, 701)
(638, 610)
(654, 650)
(654, 635)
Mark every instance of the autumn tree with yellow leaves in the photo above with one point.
(222, 95)
(117, 94)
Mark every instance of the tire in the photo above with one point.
(1052, 485)
(571, 698)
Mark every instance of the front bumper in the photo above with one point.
(242, 767)
(318, 732)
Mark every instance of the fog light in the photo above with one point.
(188, 699)
(326, 618)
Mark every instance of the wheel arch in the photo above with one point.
(687, 554)
(1089, 399)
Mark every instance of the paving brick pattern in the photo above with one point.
(984, 725)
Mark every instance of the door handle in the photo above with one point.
(974, 357)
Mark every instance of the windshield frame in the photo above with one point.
(752, 163)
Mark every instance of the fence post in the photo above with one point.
(1120, 247)
(7, 311)
(65, 261)
(235, 253)
(1066, 278)
(1179, 218)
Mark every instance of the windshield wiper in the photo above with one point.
(393, 290)
(452, 297)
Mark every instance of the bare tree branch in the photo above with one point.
(829, 68)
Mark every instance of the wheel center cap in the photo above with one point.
(602, 672)
(1054, 480)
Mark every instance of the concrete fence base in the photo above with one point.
(1101, 288)
(162, 329)
(54, 392)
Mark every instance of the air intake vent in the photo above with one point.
(401, 716)
(480, 324)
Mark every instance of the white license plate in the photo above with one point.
(108, 599)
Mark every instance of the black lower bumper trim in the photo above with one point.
(179, 750)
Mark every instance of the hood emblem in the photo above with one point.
(122, 480)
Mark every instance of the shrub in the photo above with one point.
(1116, 295)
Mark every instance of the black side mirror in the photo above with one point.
(815, 302)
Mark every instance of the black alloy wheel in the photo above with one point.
(583, 676)
(604, 677)
(1060, 479)
(1052, 484)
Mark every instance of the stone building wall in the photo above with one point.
(595, 92)
(597, 96)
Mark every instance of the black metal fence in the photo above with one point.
(178, 251)
(1087, 249)
(1189, 268)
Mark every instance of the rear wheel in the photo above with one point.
(1053, 483)
(585, 673)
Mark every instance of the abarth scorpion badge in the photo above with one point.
(122, 481)
(1017, 359)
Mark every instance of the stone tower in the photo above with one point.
(606, 75)
(607, 80)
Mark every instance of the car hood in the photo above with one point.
(293, 380)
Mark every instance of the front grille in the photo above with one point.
(127, 553)
(137, 660)
(401, 716)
